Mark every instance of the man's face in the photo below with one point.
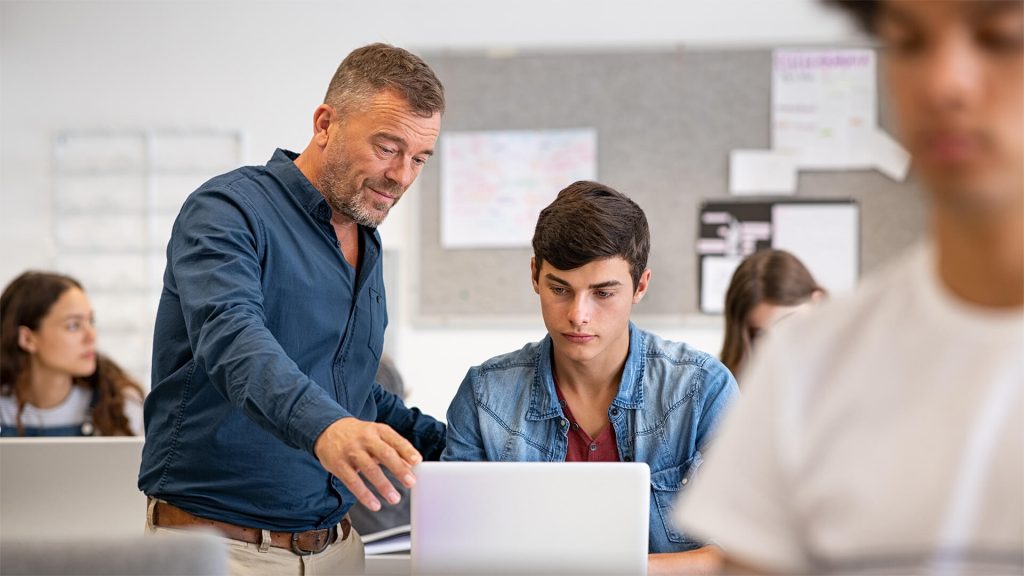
(374, 155)
(956, 77)
(586, 310)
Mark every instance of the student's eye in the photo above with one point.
(998, 41)
(559, 291)
(604, 294)
(904, 44)
(74, 326)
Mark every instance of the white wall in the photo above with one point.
(262, 67)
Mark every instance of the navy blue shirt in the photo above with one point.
(265, 335)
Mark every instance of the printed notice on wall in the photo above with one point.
(495, 183)
(825, 112)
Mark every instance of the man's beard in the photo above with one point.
(336, 188)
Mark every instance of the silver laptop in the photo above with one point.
(530, 518)
(70, 488)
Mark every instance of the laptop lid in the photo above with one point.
(70, 488)
(530, 518)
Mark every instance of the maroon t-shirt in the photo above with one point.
(583, 448)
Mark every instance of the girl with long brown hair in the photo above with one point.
(53, 382)
(766, 287)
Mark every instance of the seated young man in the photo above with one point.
(597, 388)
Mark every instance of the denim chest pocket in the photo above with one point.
(378, 320)
(666, 486)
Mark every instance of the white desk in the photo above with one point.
(388, 564)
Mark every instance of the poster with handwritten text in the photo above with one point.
(495, 183)
(824, 107)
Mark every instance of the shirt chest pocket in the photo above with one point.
(666, 486)
(378, 321)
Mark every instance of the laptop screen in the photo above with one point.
(530, 518)
(71, 487)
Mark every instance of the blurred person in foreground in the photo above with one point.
(884, 432)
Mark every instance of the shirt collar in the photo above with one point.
(282, 165)
(544, 399)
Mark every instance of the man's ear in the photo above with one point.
(533, 274)
(641, 286)
(26, 340)
(322, 117)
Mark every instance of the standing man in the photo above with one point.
(885, 432)
(264, 421)
(597, 388)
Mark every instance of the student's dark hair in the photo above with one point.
(590, 221)
(772, 276)
(25, 302)
(865, 12)
(374, 68)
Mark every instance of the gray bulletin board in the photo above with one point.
(666, 122)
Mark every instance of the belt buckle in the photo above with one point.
(322, 545)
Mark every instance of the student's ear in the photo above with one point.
(641, 286)
(817, 296)
(322, 117)
(26, 339)
(533, 274)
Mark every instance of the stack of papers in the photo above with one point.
(397, 539)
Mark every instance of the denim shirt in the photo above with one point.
(671, 397)
(265, 335)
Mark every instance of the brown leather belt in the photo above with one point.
(302, 543)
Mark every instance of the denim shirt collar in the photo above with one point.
(544, 400)
(282, 165)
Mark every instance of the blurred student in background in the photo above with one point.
(885, 432)
(768, 286)
(53, 382)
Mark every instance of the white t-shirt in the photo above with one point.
(73, 411)
(880, 433)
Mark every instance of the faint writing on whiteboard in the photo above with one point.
(495, 183)
(825, 112)
(819, 100)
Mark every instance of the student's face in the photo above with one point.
(65, 341)
(373, 156)
(765, 315)
(956, 78)
(586, 310)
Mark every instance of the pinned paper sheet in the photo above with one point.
(715, 275)
(761, 172)
(824, 237)
(495, 183)
(885, 154)
(824, 111)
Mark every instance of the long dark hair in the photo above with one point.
(25, 302)
(773, 276)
